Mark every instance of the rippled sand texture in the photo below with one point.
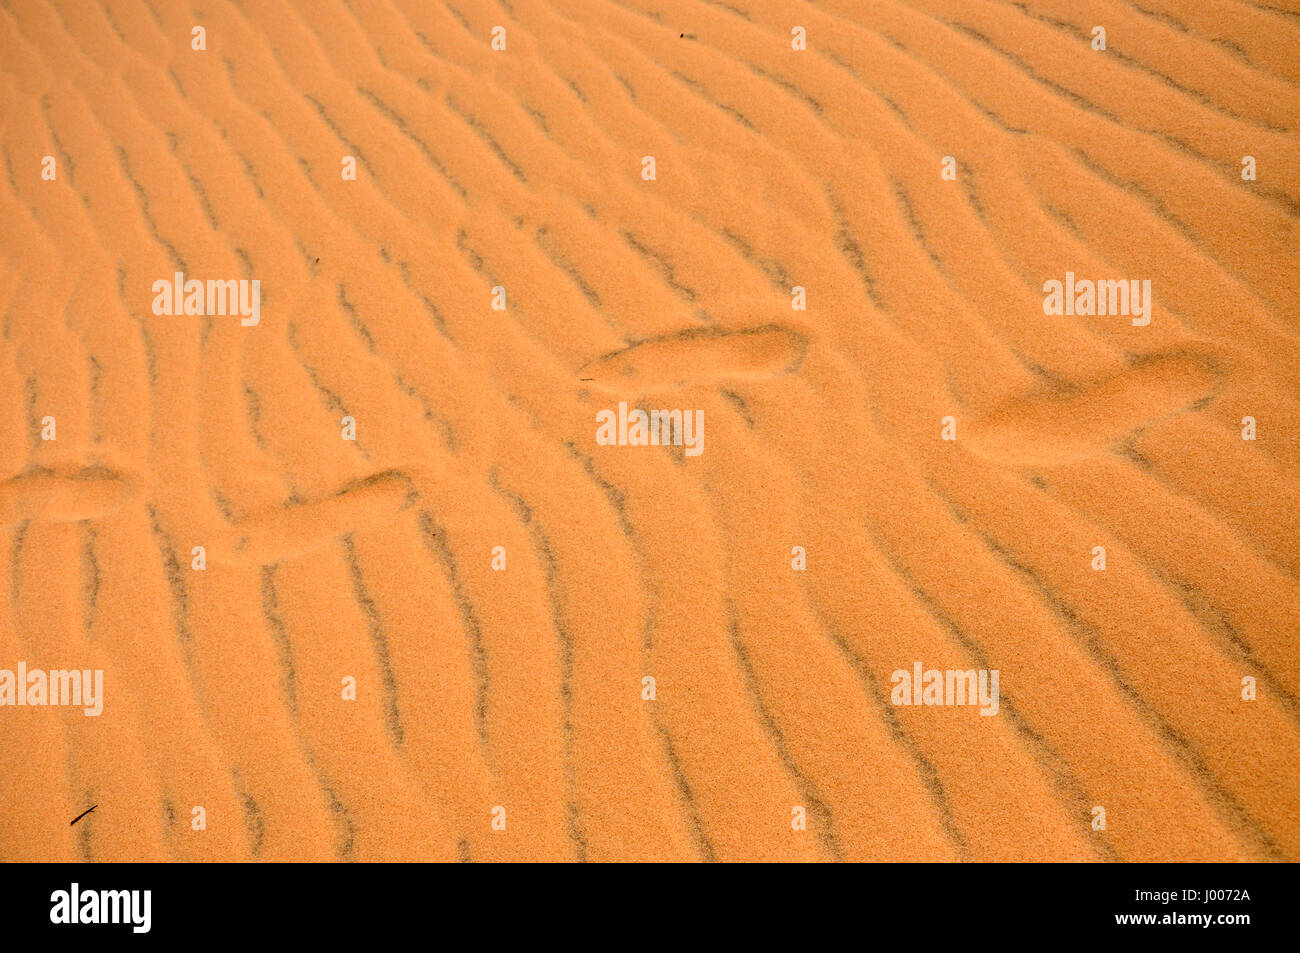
(475, 428)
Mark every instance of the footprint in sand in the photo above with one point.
(1043, 428)
(64, 496)
(300, 527)
(697, 355)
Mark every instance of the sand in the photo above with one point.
(502, 268)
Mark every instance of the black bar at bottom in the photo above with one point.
(977, 903)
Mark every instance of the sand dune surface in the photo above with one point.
(367, 580)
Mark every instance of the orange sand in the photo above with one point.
(475, 428)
